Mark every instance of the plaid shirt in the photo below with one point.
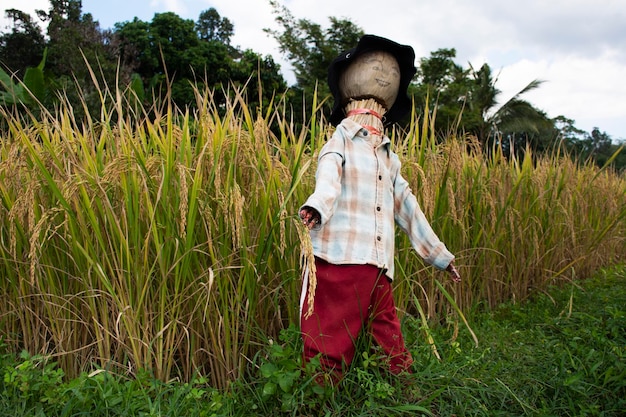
(360, 194)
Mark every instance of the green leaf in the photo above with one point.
(268, 369)
(5, 80)
(13, 91)
(34, 82)
(136, 86)
(286, 382)
(269, 389)
(411, 407)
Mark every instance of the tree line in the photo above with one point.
(173, 56)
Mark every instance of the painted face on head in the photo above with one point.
(374, 74)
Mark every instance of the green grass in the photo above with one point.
(560, 354)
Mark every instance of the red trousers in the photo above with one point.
(349, 298)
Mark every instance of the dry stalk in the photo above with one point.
(307, 264)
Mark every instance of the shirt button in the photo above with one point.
(365, 133)
(378, 208)
(378, 238)
(380, 177)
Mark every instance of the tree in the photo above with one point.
(212, 27)
(77, 49)
(568, 132)
(169, 47)
(262, 77)
(311, 49)
(597, 146)
(308, 47)
(136, 46)
(194, 54)
(69, 33)
(23, 47)
(488, 121)
(74, 44)
(467, 99)
(443, 86)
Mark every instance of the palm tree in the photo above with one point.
(490, 123)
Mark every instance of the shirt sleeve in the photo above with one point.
(411, 219)
(327, 179)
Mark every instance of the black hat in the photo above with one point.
(406, 61)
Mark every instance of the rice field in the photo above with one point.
(169, 241)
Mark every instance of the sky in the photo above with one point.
(577, 47)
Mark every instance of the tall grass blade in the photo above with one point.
(457, 309)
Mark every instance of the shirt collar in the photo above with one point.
(351, 129)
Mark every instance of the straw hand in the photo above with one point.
(310, 217)
(454, 273)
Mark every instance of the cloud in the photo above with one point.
(595, 101)
(577, 46)
(249, 24)
(176, 6)
(27, 6)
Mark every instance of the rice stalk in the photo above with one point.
(171, 242)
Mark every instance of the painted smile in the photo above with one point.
(382, 83)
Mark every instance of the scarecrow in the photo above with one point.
(359, 197)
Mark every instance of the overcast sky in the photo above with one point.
(578, 47)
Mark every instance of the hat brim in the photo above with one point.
(406, 61)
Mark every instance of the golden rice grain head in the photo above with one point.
(34, 245)
(235, 214)
(261, 132)
(184, 203)
(452, 202)
(283, 219)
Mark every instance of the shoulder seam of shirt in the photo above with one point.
(350, 127)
